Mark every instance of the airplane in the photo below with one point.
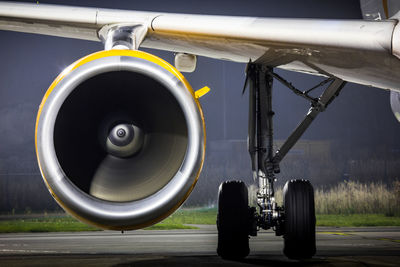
(130, 156)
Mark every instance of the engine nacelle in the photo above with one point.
(120, 139)
(395, 104)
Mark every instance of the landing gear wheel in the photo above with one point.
(299, 237)
(233, 220)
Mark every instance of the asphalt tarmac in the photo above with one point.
(372, 246)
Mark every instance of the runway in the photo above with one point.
(373, 246)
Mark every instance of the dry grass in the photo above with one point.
(353, 198)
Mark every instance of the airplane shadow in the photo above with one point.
(209, 261)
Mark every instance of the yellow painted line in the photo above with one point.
(363, 237)
(388, 239)
(335, 233)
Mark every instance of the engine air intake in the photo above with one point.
(120, 139)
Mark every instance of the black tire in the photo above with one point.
(299, 237)
(233, 220)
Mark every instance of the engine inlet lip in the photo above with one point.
(120, 215)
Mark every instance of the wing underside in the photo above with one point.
(358, 51)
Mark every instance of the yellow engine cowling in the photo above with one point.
(120, 139)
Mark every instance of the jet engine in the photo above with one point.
(120, 139)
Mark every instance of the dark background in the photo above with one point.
(356, 138)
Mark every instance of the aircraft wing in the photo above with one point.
(360, 51)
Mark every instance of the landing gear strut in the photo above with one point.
(295, 220)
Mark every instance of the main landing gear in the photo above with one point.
(295, 220)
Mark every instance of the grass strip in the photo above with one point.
(69, 224)
(356, 220)
(180, 219)
(169, 226)
(45, 224)
(193, 216)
